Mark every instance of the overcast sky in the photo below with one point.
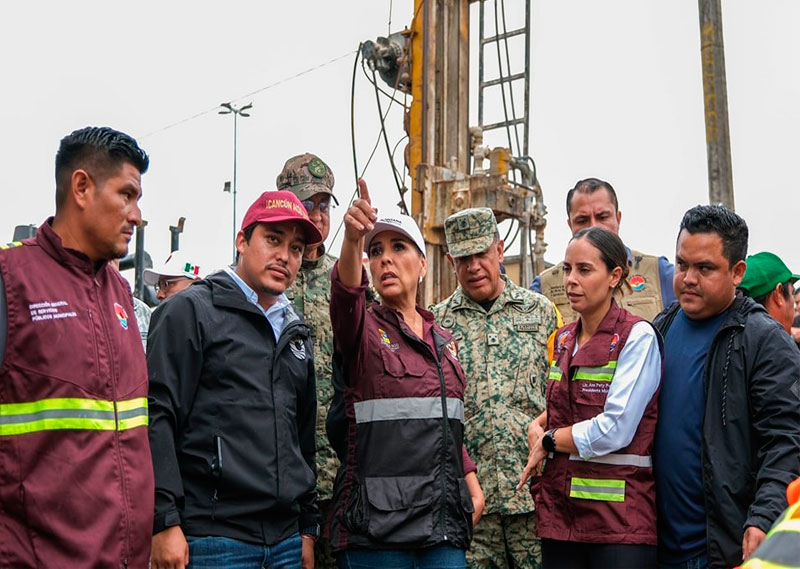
(616, 93)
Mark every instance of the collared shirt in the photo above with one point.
(636, 380)
(276, 314)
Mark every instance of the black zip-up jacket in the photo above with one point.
(232, 417)
(751, 429)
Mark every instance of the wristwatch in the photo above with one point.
(549, 441)
(310, 532)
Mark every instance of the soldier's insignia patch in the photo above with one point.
(317, 168)
(298, 347)
(452, 347)
(614, 342)
(637, 282)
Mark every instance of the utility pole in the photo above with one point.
(715, 99)
(228, 109)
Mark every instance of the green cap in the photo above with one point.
(470, 231)
(764, 272)
(306, 175)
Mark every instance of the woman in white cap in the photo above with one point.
(406, 494)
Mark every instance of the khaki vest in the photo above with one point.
(642, 298)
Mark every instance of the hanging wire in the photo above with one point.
(353, 117)
(502, 77)
(388, 148)
(215, 108)
(510, 84)
(376, 86)
(405, 137)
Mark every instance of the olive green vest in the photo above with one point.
(642, 297)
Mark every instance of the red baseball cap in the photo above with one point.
(274, 207)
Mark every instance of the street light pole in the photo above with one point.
(228, 109)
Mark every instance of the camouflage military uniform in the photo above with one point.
(306, 175)
(504, 354)
(311, 295)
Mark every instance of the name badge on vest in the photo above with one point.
(526, 323)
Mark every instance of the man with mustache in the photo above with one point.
(76, 484)
(728, 434)
(233, 406)
(502, 332)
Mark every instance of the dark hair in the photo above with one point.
(248, 233)
(590, 186)
(98, 150)
(786, 291)
(612, 250)
(718, 219)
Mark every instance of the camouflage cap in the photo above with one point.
(470, 231)
(305, 175)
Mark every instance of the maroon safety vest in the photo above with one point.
(76, 474)
(607, 499)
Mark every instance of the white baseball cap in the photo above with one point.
(178, 264)
(403, 224)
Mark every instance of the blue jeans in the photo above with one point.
(699, 562)
(438, 557)
(226, 553)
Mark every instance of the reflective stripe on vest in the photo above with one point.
(618, 460)
(72, 413)
(555, 373)
(395, 409)
(594, 489)
(780, 549)
(604, 373)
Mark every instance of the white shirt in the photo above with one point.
(276, 314)
(636, 380)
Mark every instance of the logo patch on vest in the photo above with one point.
(452, 347)
(562, 340)
(387, 341)
(298, 347)
(637, 283)
(614, 342)
(122, 316)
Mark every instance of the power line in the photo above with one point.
(256, 92)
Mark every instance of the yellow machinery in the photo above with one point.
(445, 157)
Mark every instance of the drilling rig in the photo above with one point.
(445, 156)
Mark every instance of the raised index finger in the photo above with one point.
(363, 191)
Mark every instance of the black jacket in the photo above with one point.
(751, 429)
(232, 417)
